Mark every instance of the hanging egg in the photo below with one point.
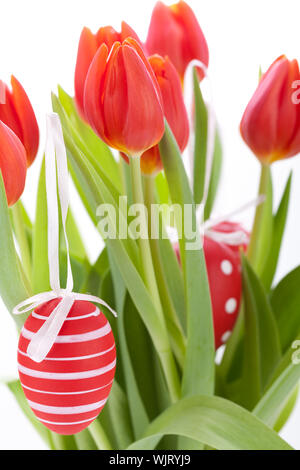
(224, 278)
(233, 227)
(69, 388)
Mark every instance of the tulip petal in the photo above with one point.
(172, 97)
(8, 114)
(144, 119)
(150, 161)
(87, 49)
(108, 35)
(194, 45)
(128, 32)
(13, 163)
(165, 36)
(175, 32)
(259, 122)
(28, 122)
(293, 146)
(93, 91)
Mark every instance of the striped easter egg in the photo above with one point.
(69, 388)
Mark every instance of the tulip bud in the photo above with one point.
(270, 124)
(17, 113)
(89, 44)
(174, 111)
(175, 32)
(122, 101)
(13, 164)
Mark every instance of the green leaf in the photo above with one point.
(200, 150)
(262, 230)
(279, 222)
(215, 177)
(76, 245)
(138, 340)
(162, 190)
(290, 403)
(40, 266)
(84, 441)
(285, 301)
(215, 422)
(97, 152)
(200, 147)
(199, 372)
(12, 288)
(262, 346)
(118, 410)
(137, 409)
(174, 278)
(61, 442)
(90, 184)
(275, 399)
(124, 251)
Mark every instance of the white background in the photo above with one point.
(39, 44)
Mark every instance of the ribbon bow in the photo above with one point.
(56, 177)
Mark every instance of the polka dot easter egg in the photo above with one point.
(224, 276)
(69, 388)
(232, 227)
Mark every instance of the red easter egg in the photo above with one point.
(69, 388)
(230, 227)
(224, 276)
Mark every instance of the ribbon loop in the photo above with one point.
(56, 170)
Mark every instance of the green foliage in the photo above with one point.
(164, 394)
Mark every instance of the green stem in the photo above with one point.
(99, 436)
(257, 252)
(166, 356)
(174, 328)
(21, 237)
(256, 244)
(63, 442)
(144, 245)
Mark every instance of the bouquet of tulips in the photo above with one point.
(146, 165)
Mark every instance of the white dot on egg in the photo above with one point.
(226, 267)
(226, 336)
(230, 305)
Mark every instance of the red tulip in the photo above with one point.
(122, 100)
(17, 113)
(175, 32)
(270, 125)
(89, 44)
(13, 163)
(174, 110)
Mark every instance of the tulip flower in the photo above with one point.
(17, 113)
(174, 110)
(175, 32)
(13, 163)
(89, 44)
(270, 125)
(122, 100)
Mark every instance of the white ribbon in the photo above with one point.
(56, 177)
(237, 237)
